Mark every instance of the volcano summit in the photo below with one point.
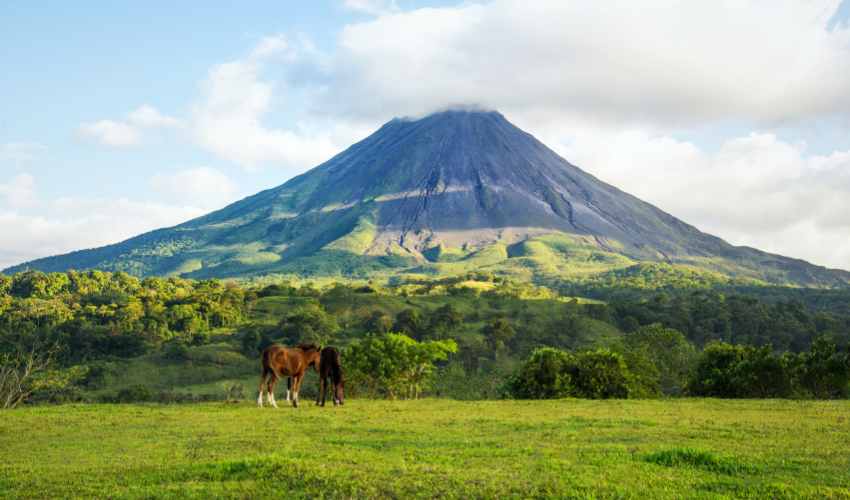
(453, 191)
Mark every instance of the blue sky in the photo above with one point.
(120, 117)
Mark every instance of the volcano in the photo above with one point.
(453, 191)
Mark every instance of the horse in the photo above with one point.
(279, 361)
(330, 368)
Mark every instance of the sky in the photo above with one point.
(121, 117)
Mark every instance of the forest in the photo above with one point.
(98, 336)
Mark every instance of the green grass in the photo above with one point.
(572, 448)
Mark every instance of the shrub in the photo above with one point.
(551, 373)
(134, 394)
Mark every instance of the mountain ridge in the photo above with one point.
(459, 180)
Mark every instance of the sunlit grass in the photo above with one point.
(572, 448)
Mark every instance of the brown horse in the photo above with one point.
(330, 368)
(279, 361)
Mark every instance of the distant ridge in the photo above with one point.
(453, 191)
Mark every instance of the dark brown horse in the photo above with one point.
(330, 368)
(279, 361)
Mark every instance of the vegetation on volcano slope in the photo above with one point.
(688, 448)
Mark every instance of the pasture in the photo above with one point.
(688, 448)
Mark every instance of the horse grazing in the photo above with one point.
(330, 368)
(279, 361)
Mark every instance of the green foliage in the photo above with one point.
(95, 315)
(824, 371)
(547, 374)
(309, 323)
(736, 371)
(394, 365)
(668, 351)
(499, 334)
(411, 323)
(551, 373)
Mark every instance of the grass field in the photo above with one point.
(572, 448)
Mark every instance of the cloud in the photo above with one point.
(373, 7)
(69, 224)
(130, 132)
(110, 133)
(228, 118)
(755, 190)
(668, 63)
(201, 186)
(149, 117)
(19, 191)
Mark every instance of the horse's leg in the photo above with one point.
(295, 391)
(288, 387)
(272, 383)
(321, 395)
(263, 377)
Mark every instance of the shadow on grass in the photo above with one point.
(700, 459)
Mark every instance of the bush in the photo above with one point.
(736, 371)
(551, 373)
(134, 394)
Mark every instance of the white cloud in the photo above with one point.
(373, 7)
(149, 117)
(127, 133)
(69, 224)
(110, 133)
(201, 186)
(754, 190)
(228, 119)
(19, 191)
(667, 62)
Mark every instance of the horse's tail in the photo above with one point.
(267, 371)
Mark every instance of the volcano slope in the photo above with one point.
(451, 192)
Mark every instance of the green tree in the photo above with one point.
(411, 323)
(378, 322)
(309, 323)
(394, 365)
(669, 351)
(443, 321)
(499, 334)
(824, 371)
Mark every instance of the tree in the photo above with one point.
(394, 365)
(310, 324)
(668, 350)
(410, 323)
(737, 371)
(714, 374)
(378, 322)
(444, 321)
(552, 373)
(499, 334)
(546, 374)
(19, 371)
(824, 371)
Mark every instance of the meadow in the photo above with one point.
(686, 448)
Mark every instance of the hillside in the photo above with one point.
(453, 191)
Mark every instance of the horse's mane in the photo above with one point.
(308, 347)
